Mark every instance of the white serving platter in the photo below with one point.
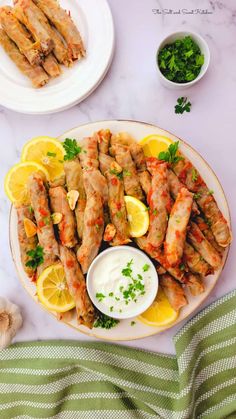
(124, 330)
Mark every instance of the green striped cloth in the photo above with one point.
(70, 380)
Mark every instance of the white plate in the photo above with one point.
(94, 20)
(124, 331)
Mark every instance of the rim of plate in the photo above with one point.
(91, 333)
(58, 92)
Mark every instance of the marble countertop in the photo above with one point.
(131, 90)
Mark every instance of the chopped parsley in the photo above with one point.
(197, 195)
(31, 209)
(135, 287)
(36, 257)
(47, 220)
(132, 323)
(210, 192)
(126, 173)
(100, 296)
(105, 322)
(154, 212)
(146, 267)
(170, 155)
(71, 148)
(119, 214)
(182, 266)
(127, 271)
(116, 173)
(97, 226)
(182, 105)
(181, 61)
(209, 223)
(194, 175)
(50, 154)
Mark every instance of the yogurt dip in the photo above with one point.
(122, 282)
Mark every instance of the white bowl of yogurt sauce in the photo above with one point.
(122, 282)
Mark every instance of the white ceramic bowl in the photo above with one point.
(204, 50)
(150, 293)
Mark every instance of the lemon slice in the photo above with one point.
(52, 289)
(46, 151)
(138, 216)
(154, 144)
(160, 313)
(16, 181)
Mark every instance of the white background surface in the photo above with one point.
(132, 90)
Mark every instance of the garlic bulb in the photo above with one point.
(10, 321)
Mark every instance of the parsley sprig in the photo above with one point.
(182, 105)
(170, 155)
(71, 148)
(36, 257)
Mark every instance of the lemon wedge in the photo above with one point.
(160, 313)
(16, 181)
(138, 216)
(52, 289)
(154, 144)
(46, 151)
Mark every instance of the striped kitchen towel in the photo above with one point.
(74, 380)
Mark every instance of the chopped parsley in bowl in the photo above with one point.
(182, 59)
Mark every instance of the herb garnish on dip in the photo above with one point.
(122, 281)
